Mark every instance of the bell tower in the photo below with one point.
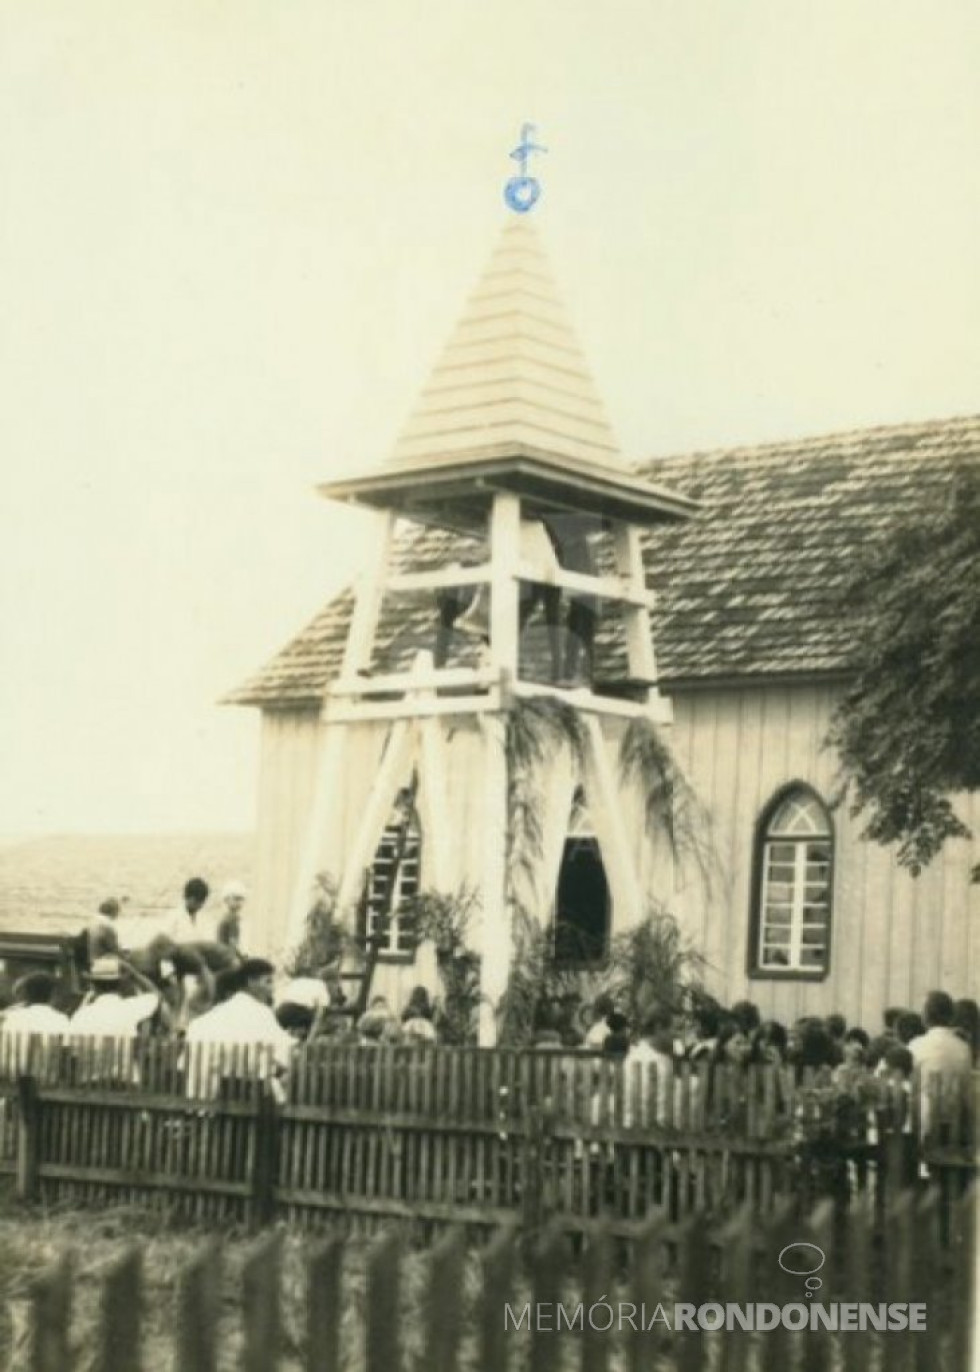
(520, 527)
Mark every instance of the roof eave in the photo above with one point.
(455, 491)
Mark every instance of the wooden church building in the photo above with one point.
(525, 571)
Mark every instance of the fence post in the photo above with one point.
(266, 1158)
(119, 1331)
(444, 1305)
(50, 1319)
(383, 1333)
(323, 1308)
(497, 1289)
(532, 1181)
(548, 1260)
(28, 1122)
(261, 1289)
(198, 1310)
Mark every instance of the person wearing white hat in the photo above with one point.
(229, 919)
(107, 1013)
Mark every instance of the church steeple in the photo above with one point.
(512, 377)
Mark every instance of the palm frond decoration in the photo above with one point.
(537, 729)
(671, 806)
(525, 985)
(652, 966)
(326, 939)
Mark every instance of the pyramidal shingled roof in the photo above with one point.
(512, 373)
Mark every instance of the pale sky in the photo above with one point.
(234, 236)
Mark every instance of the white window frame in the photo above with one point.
(802, 842)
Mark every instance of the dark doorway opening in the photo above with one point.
(582, 906)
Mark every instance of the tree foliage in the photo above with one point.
(908, 727)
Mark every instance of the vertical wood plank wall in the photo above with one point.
(894, 937)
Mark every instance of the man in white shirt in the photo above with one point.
(938, 1053)
(108, 1013)
(244, 1021)
(183, 924)
(32, 1015)
(940, 1048)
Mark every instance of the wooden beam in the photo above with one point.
(611, 825)
(407, 708)
(505, 534)
(432, 678)
(607, 587)
(658, 709)
(436, 578)
(391, 775)
(367, 604)
(639, 635)
(495, 927)
(581, 698)
(439, 831)
(612, 588)
(327, 789)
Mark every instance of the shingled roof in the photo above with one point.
(748, 588)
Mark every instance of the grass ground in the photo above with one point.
(32, 1241)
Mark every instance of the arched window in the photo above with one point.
(793, 887)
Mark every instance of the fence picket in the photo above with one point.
(323, 1307)
(261, 1308)
(50, 1319)
(118, 1340)
(198, 1309)
(499, 1259)
(596, 1282)
(444, 1305)
(383, 1334)
(548, 1258)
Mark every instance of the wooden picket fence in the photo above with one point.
(497, 1310)
(438, 1136)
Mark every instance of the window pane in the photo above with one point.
(811, 957)
(775, 934)
(775, 957)
(782, 852)
(780, 893)
(778, 915)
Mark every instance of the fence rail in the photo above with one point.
(444, 1136)
(498, 1310)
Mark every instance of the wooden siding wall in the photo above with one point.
(894, 937)
(290, 742)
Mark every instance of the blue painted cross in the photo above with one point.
(521, 192)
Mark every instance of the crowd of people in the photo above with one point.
(188, 974)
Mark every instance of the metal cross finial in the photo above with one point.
(521, 192)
